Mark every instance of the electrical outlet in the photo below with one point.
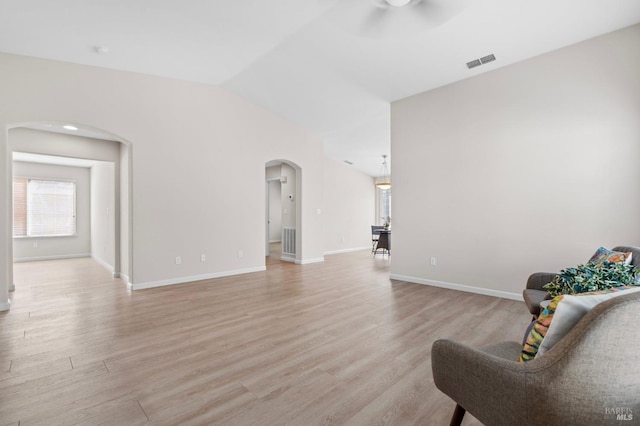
(35, 245)
(433, 261)
(240, 254)
(203, 258)
(178, 260)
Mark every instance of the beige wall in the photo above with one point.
(103, 213)
(527, 168)
(288, 189)
(194, 156)
(123, 221)
(198, 159)
(349, 197)
(275, 211)
(63, 145)
(6, 215)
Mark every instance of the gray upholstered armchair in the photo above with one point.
(588, 378)
(533, 294)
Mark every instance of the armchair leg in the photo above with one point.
(458, 414)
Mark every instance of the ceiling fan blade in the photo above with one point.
(361, 17)
(380, 3)
(375, 23)
(378, 19)
(437, 12)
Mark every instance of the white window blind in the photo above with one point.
(50, 208)
(19, 207)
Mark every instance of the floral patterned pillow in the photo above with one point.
(565, 311)
(603, 255)
(539, 331)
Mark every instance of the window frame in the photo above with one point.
(380, 208)
(26, 208)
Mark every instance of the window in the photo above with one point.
(43, 208)
(384, 205)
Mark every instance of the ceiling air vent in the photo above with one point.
(473, 64)
(488, 58)
(481, 61)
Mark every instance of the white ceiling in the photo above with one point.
(322, 64)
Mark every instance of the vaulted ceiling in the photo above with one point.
(330, 66)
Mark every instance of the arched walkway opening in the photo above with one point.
(283, 227)
(50, 152)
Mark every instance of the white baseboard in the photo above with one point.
(62, 256)
(307, 261)
(12, 287)
(103, 263)
(5, 306)
(182, 280)
(126, 279)
(287, 258)
(347, 250)
(459, 287)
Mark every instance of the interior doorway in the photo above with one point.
(273, 238)
(107, 218)
(282, 211)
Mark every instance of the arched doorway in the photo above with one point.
(109, 158)
(283, 230)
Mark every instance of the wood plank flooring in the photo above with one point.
(322, 344)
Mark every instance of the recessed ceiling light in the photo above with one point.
(70, 127)
(398, 3)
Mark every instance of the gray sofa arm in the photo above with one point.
(482, 381)
(537, 280)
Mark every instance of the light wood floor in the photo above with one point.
(321, 344)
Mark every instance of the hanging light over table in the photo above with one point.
(384, 180)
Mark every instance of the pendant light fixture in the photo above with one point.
(384, 180)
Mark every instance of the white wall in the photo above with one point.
(275, 211)
(63, 145)
(288, 189)
(78, 245)
(527, 168)
(103, 214)
(272, 172)
(122, 221)
(349, 197)
(6, 217)
(198, 155)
